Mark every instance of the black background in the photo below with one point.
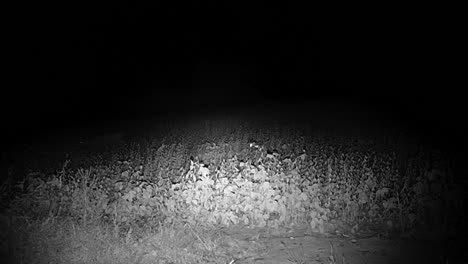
(82, 64)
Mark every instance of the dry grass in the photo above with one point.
(55, 240)
(60, 241)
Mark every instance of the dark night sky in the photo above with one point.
(80, 65)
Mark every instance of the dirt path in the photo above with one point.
(299, 247)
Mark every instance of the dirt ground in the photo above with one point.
(300, 246)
